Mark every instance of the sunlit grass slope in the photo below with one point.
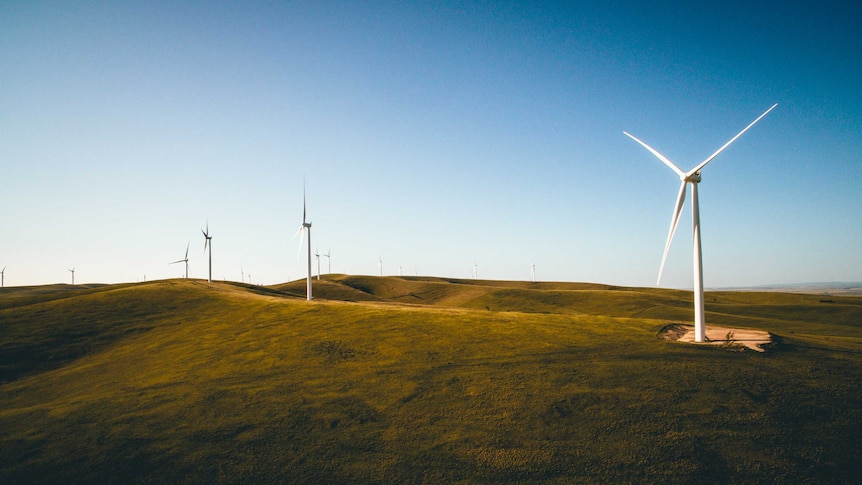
(184, 381)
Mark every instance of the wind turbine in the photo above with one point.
(317, 255)
(3, 277)
(533, 272)
(692, 177)
(186, 260)
(329, 261)
(306, 226)
(475, 271)
(380, 264)
(73, 275)
(208, 242)
(242, 274)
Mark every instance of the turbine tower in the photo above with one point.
(533, 272)
(305, 227)
(692, 177)
(208, 242)
(3, 277)
(73, 275)
(317, 255)
(185, 260)
(380, 264)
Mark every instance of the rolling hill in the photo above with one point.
(421, 380)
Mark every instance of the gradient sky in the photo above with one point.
(432, 135)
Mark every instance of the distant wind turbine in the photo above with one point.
(475, 271)
(317, 255)
(184, 260)
(73, 275)
(305, 227)
(692, 177)
(329, 261)
(208, 243)
(3, 277)
(533, 272)
(242, 274)
(400, 270)
(380, 264)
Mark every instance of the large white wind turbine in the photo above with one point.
(305, 227)
(208, 242)
(692, 177)
(73, 275)
(185, 260)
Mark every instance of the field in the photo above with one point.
(422, 380)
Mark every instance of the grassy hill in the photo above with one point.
(421, 380)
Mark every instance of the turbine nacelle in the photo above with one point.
(692, 178)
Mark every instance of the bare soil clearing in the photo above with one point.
(732, 337)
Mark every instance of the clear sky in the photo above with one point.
(433, 135)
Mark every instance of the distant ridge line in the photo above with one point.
(843, 287)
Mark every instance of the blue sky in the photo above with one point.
(432, 135)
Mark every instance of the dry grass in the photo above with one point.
(183, 381)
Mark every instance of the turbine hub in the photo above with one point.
(693, 178)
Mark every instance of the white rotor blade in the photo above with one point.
(303, 200)
(674, 222)
(703, 163)
(301, 233)
(658, 155)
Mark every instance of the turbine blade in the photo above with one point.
(709, 159)
(680, 200)
(187, 250)
(658, 155)
(301, 233)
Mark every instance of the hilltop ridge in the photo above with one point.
(420, 380)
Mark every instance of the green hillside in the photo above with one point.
(421, 380)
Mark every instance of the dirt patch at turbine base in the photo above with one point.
(734, 338)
